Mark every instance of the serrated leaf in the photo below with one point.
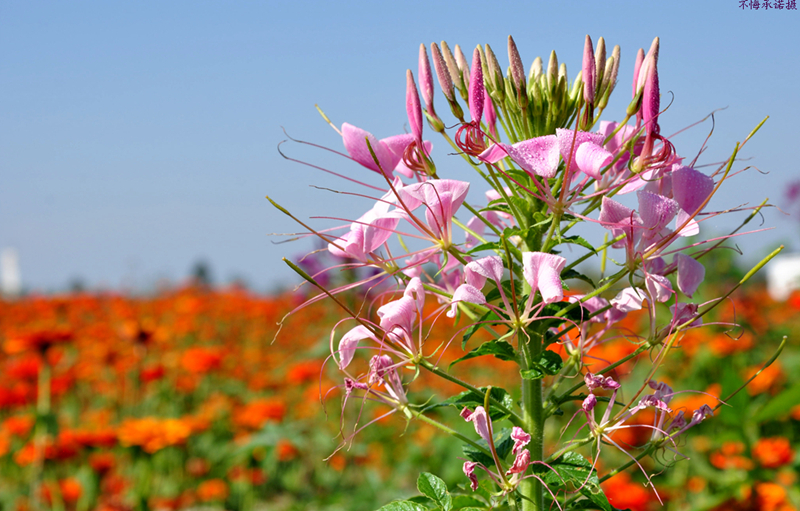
(502, 442)
(550, 364)
(435, 489)
(499, 349)
(472, 399)
(403, 505)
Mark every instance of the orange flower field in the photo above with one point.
(187, 398)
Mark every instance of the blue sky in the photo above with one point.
(137, 138)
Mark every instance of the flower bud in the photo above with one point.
(636, 68)
(413, 107)
(610, 75)
(517, 71)
(588, 71)
(452, 66)
(495, 74)
(476, 88)
(426, 80)
(442, 73)
(536, 70)
(463, 67)
(589, 403)
(552, 70)
(599, 64)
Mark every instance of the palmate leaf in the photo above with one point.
(499, 349)
(472, 400)
(549, 364)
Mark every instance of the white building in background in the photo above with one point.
(10, 277)
(783, 276)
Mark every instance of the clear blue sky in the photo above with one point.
(138, 137)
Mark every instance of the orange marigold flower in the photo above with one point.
(153, 434)
(770, 497)
(285, 450)
(19, 425)
(304, 372)
(773, 452)
(101, 462)
(38, 341)
(253, 415)
(622, 493)
(71, 490)
(201, 360)
(212, 490)
(768, 380)
(728, 457)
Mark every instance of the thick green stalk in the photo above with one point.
(533, 418)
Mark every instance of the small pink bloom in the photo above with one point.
(589, 403)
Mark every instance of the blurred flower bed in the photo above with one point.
(183, 400)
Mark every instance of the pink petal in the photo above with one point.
(543, 272)
(480, 420)
(537, 156)
(416, 292)
(592, 158)
(656, 210)
(401, 313)
(690, 188)
(521, 463)
(520, 439)
(565, 142)
(465, 293)
(356, 146)
(490, 267)
(349, 343)
(691, 229)
(629, 299)
(469, 471)
(690, 274)
(659, 287)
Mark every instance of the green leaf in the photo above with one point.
(572, 274)
(435, 489)
(403, 505)
(577, 240)
(469, 332)
(571, 468)
(549, 364)
(780, 404)
(472, 399)
(500, 349)
(490, 245)
(502, 442)
(464, 502)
